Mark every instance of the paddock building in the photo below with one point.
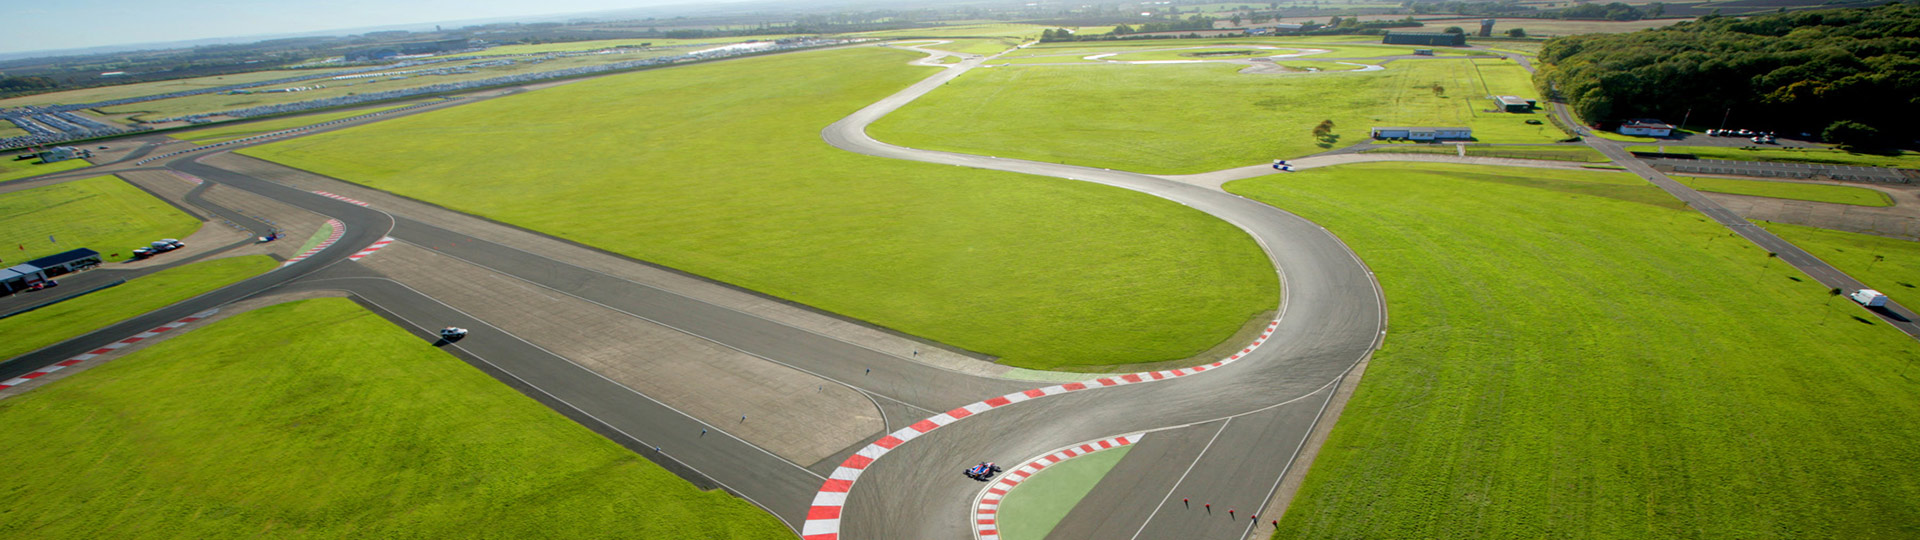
(1647, 128)
(1422, 133)
(1515, 104)
(18, 277)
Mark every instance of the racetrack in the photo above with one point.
(1331, 317)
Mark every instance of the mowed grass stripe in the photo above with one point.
(26, 332)
(1804, 191)
(1567, 361)
(318, 419)
(1192, 118)
(11, 169)
(103, 213)
(718, 169)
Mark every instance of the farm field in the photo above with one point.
(104, 93)
(1024, 31)
(1906, 159)
(1618, 375)
(1334, 48)
(32, 330)
(210, 103)
(1549, 27)
(103, 213)
(15, 170)
(1888, 265)
(349, 427)
(1552, 153)
(718, 169)
(1190, 118)
(241, 130)
(1827, 193)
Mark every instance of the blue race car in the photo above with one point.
(983, 472)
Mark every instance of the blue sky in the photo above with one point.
(66, 24)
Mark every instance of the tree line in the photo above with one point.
(1804, 71)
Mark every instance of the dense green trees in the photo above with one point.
(1794, 72)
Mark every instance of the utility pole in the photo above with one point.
(1723, 119)
(1683, 119)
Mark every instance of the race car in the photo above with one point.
(452, 333)
(983, 472)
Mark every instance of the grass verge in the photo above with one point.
(317, 419)
(1826, 156)
(1580, 154)
(24, 333)
(1631, 373)
(1192, 118)
(15, 170)
(1888, 265)
(718, 169)
(102, 213)
(1827, 193)
(1033, 509)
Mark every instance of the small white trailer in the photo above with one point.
(1869, 298)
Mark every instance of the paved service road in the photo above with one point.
(1332, 316)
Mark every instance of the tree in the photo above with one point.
(1454, 30)
(1852, 134)
(1516, 32)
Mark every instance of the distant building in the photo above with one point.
(1413, 38)
(21, 276)
(62, 153)
(1486, 27)
(1423, 52)
(1422, 133)
(1515, 104)
(17, 278)
(1645, 127)
(68, 262)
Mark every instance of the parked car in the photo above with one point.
(142, 253)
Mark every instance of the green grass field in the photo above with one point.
(15, 170)
(1317, 66)
(318, 419)
(1552, 153)
(1201, 53)
(718, 169)
(1888, 265)
(594, 45)
(1857, 196)
(104, 213)
(1039, 503)
(980, 46)
(1190, 118)
(1904, 159)
(231, 131)
(208, 103)
(24, 333)
(104, 93)
(1631, 372)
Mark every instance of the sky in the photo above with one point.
(70, 24)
